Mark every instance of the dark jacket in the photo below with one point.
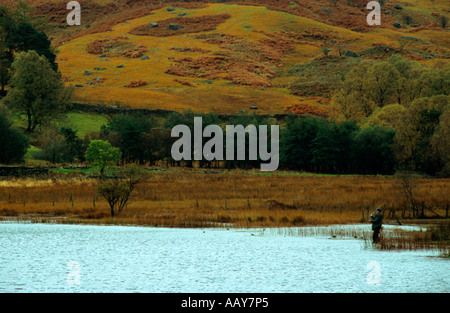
(377, 221)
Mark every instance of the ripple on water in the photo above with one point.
(35, 258)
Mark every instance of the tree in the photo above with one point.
(413, 139)
(402, 87)
(297, 142)
(131, 131)
(369, 86)
(101, 154)
(157, 145)
(27, 38)
(441, 143)
(314, 144)
(407, 184)
(388, 116)
(382, 80)
(343, 134)
(353, 105)
(7, 29)
(325, 149)
(352, 99)
(75, 147)
(5, 61)
(36, 89)
(20, 32)
(53, 146)
(117, 191)
(61, 145)
(245, 119)
(187, 118)
(13, 143)
(373, 150)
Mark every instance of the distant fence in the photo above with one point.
(103, 109)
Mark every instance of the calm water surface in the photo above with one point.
(73, 258)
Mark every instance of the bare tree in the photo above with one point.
(407, 183)
(117, 191)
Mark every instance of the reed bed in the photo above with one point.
(436, 237)
(432, 238)
(194, 198)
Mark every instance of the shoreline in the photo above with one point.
(63, 220)
(411, 237)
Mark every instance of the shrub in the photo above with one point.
(13, 143)
(136, 84)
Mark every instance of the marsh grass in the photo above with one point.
(435, 237)
(193, 198)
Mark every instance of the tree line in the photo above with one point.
(306, 144)
(407, 97)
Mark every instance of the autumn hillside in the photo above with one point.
(229, 56)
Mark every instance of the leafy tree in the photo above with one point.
(352, 98)
(425, 159)
(402, 86)
(13, 143)
(20, 32)
(325, 149)
(130, 133)
(440, 143)
(369, 86)
(439, 83)
(343, 136)
(388, 116)
(318, 145)
(61, 145)
(36, 89)
(382, 80)
(373, 150)
(7, 46)
(419, 123)
(245, 119)
(5, 61)
(297, 142)
(187, 118)
(157, 145)
(314, 144)
(27, 38)
(101, 154)
(75, 147)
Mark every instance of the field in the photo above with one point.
(195, 198)
(231, 56)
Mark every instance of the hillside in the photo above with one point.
(230, 56)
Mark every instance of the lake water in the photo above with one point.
(74, 258)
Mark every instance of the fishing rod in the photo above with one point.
(376, 208)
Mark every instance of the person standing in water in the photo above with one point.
(377, 222)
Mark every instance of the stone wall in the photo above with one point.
(23, 171)
(102, 109)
